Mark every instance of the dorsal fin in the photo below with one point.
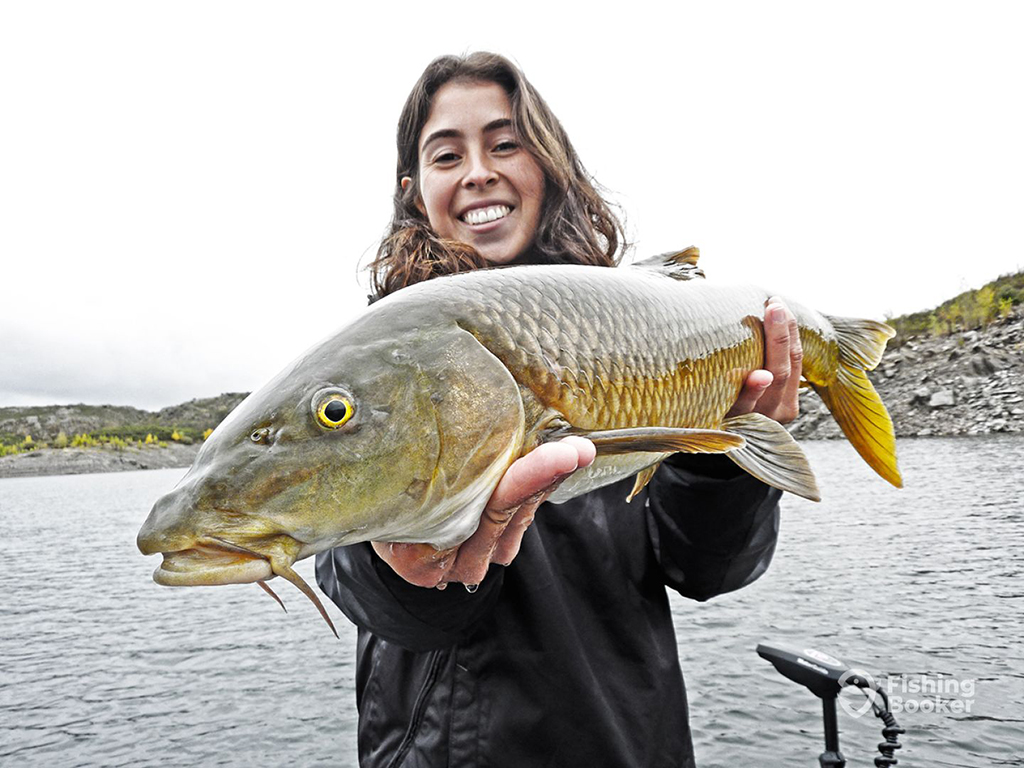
(681, 265)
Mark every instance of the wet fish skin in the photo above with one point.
(455, 378)
(415, 393)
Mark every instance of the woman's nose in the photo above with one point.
(480, 172)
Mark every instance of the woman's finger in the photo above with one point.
(419, 564)
(777, 360)
(524, 486)
(511, 538)
(753, 388)
(537, 471)
(789, 404)
(777, 319)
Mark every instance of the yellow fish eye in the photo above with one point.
(334, 410)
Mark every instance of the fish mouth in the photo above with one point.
(208, 564)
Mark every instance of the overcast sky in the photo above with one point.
(188, 190)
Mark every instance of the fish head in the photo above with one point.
(367, 437)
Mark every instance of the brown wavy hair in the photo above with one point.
(577, 225)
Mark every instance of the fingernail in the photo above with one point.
(443, 585)
(471, 588)
(778, 316)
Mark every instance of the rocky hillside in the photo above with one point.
(968, 383)
(45, 423)
(75, 439)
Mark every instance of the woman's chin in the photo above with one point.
(502, 253)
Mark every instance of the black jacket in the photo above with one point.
(568, 656)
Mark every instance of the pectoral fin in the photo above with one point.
(663, 440)
(772, 455)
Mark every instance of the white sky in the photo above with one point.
(188, 188)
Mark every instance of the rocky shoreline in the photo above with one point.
(79, 461)
(968, 383)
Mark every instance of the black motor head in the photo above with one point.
(824, 675)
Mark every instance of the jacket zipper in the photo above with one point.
(418, 709)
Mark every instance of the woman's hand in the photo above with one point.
(774, 390)
(527, 483)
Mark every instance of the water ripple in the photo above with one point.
(100, 666)
(906, 583)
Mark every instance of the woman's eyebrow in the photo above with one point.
(444, 133)
(454, 133)
(501, 122)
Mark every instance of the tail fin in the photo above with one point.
(854, 402)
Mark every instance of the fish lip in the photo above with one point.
(483, 204)
(211, 562)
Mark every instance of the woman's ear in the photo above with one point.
(406, 181)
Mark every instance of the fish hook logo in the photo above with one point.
(860, 679)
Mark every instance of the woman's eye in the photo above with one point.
(446, 158)
(506, 146)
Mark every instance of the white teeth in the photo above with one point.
(484, 215)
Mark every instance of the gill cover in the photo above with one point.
(480, 427)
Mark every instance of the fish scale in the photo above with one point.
(633, 350)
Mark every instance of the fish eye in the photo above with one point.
(332, 409)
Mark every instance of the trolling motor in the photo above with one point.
(825, 676)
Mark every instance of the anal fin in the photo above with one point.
(643, 477)
(772, 455)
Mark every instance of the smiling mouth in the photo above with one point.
(486, 215)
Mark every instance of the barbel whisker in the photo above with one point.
(285, 572)
(269, 591)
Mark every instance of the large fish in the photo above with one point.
(399, 426)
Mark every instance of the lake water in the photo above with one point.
(100, 666)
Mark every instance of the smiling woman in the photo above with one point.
(477, 183)
(477, 145)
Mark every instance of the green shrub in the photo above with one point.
(971, 309)
(84, 441)
(139, 433)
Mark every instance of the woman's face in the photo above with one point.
(477, 184)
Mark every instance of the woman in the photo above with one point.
(567, 654)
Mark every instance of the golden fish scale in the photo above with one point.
(821, 353)
(616, 348)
